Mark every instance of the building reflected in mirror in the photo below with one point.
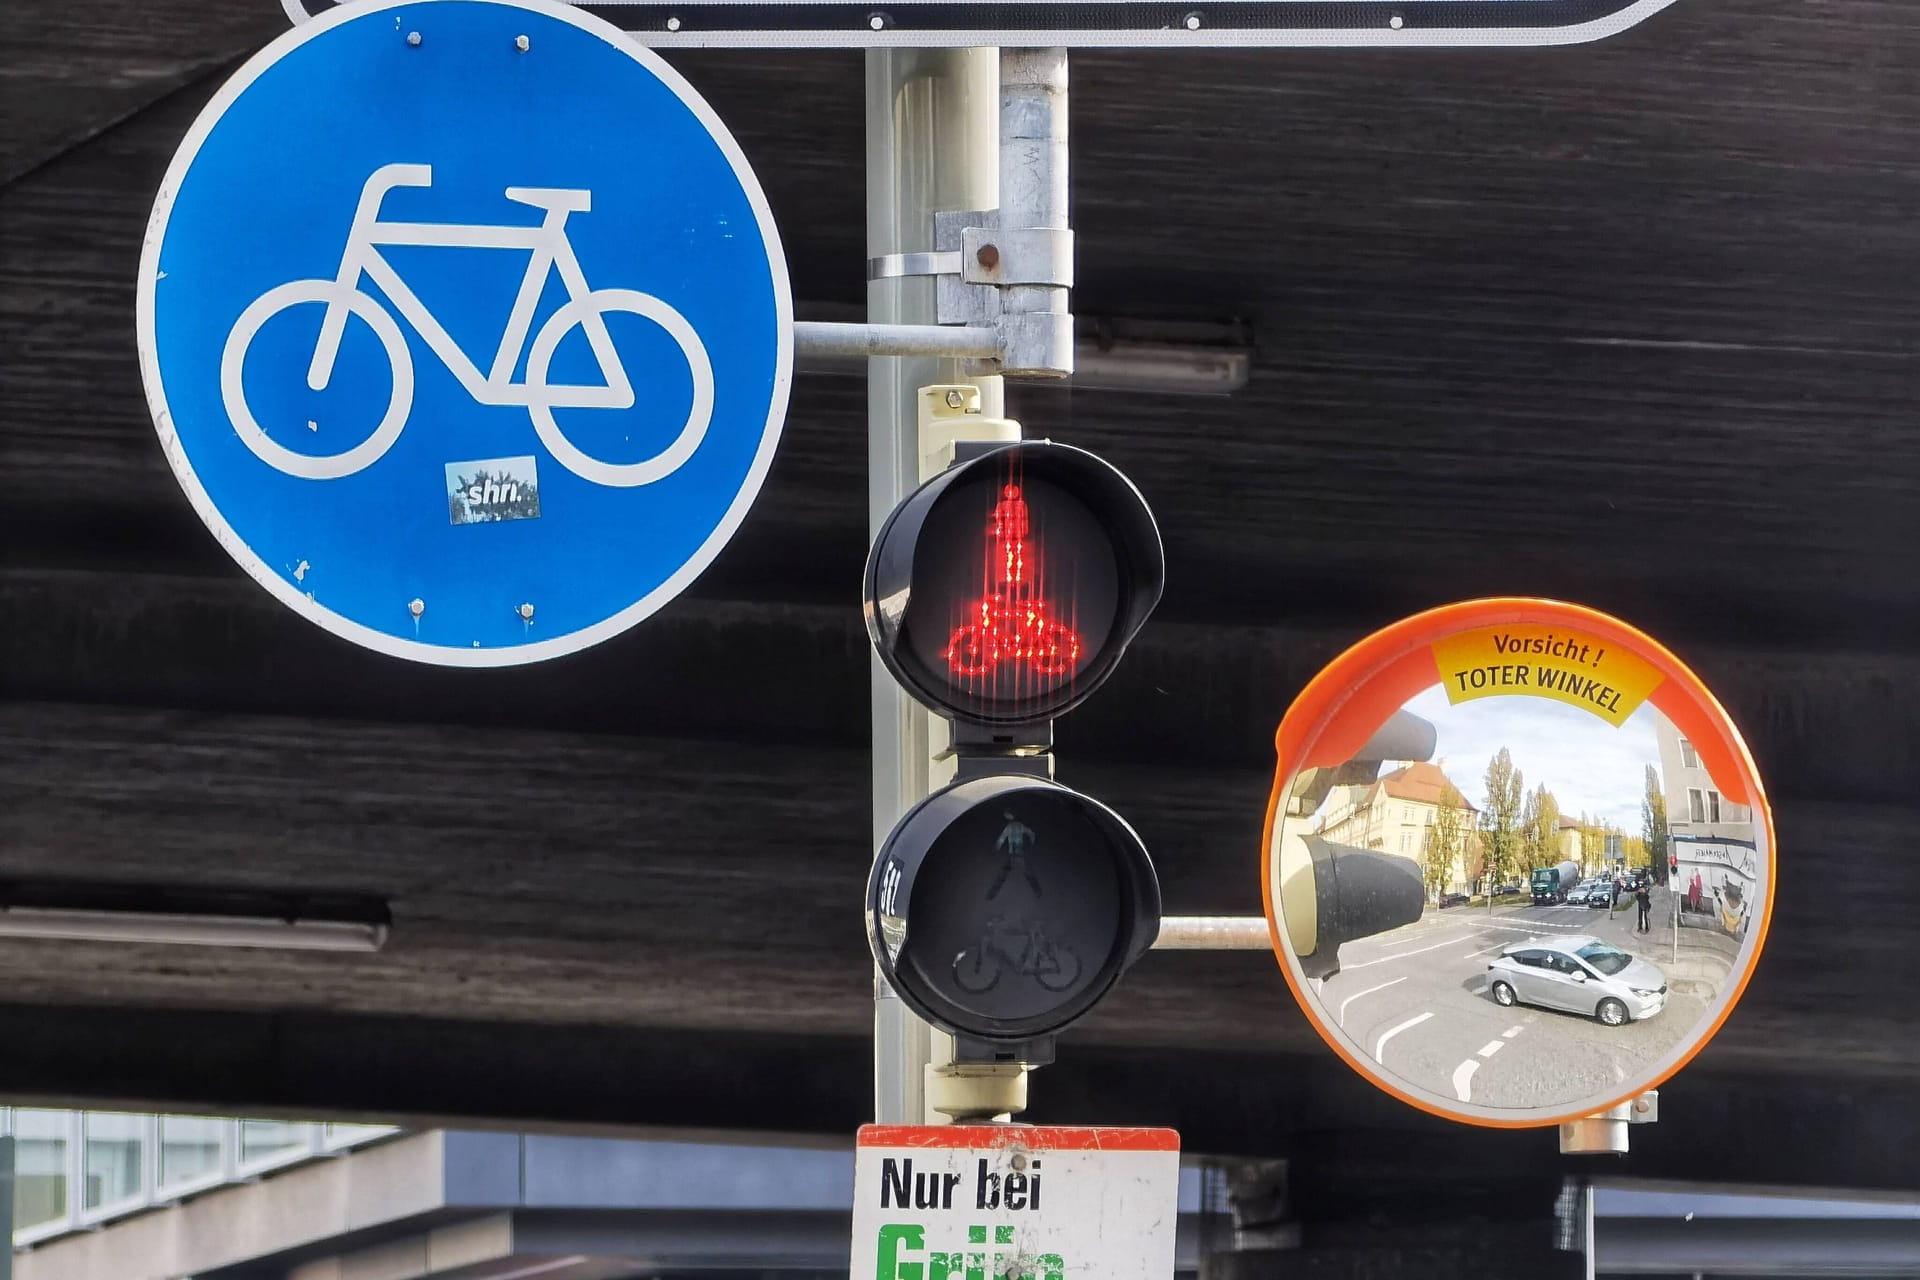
(1714, 857)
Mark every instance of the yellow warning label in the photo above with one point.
(1545, 662)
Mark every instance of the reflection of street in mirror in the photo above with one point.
(1586, 896)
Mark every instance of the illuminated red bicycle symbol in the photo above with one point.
(1012, 623)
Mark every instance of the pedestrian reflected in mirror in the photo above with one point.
(1518, 861)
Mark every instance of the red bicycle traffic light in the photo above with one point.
(1005, 589)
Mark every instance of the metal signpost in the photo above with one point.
(6, 1207)
(932, 145)
(467, 383)
(1000, 269)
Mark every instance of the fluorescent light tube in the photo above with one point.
(190, 930)
(1172, 368)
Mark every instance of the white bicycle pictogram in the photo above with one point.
(551, 251)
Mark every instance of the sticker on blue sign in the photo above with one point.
(493, 489)
(450, 348)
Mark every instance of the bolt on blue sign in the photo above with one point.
(465, 327)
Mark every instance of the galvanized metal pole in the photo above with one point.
(1213, 933)
(947, 341)
(932, 145)
(1034, 249)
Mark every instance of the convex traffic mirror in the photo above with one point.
(1518, 861)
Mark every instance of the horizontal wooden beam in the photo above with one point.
(547, 878)
(1824, 724)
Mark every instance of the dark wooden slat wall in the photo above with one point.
(616, 879)
(1630, 323)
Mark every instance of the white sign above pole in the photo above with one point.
(966, 1202)
(1182, 24)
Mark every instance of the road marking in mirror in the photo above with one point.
(1380, 1046)
(1463, 1079)
(1367, 964)
(1369, 991)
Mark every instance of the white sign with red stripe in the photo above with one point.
(987, 1202)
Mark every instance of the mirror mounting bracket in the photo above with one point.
(1605, 1133)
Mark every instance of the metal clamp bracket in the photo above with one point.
(893, 266)
(1017, 255)
(1606, 1133)
(957, 299)
(973, 261)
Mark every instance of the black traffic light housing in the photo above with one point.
(1013, 944)
(1005, 590)
(1001, 594)
(1356, 892)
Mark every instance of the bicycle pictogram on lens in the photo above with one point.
(550, 251)
(1012, 946)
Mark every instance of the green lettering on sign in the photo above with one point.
(897, 1238)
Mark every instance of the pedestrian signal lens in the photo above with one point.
(1006, 588)
(1011, 623)
(1031, 586)
(1006, 907)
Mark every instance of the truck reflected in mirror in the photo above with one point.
(1473, 880)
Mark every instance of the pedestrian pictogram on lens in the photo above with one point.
(1005, 589)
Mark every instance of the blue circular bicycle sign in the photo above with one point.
(465, 327)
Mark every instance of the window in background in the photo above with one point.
(192, 1150)
(39, 1168)
(267, 1140)
(115, 1148)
